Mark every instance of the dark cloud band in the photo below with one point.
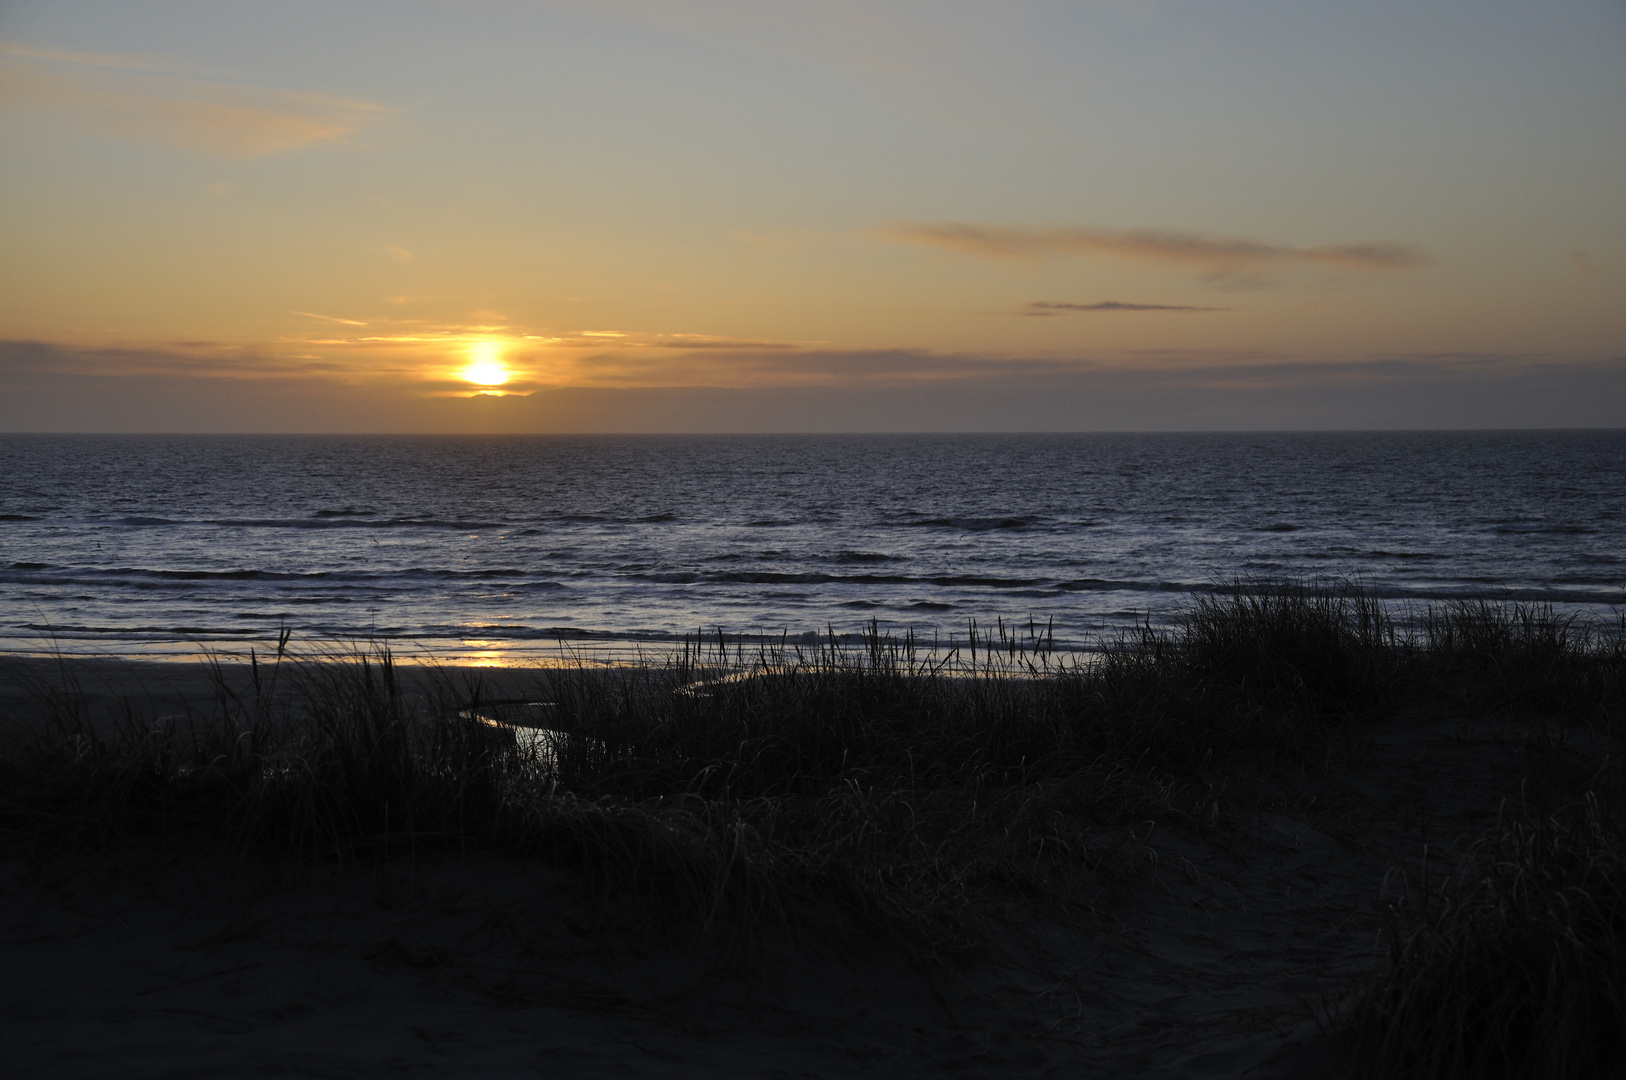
(1149, 245)
(1046, 307)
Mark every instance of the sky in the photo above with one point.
(811, 215)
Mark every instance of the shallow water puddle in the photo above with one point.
(532, 738)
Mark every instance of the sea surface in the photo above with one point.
(489, 549)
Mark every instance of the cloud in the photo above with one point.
(425, 362)
(180, 359)
(1045, 308)
(702, 341)
(48, 387)
(1583, 263)
(1170, 247)
(330, 318)
(430, 355)
(136, 99)
(759, 363)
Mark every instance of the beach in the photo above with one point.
(1179, 947)
(711, 538)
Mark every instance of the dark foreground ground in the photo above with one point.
(1217, 948)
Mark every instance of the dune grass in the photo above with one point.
(1504, 657)
(897, 786)
(1515, 967)
(1515, 964)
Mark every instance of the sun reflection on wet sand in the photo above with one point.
(487, 654)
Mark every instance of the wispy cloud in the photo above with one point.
(425, 369)
(185, 359)
(704, 341)
(1167, 246)
(138, 99)
(330, 318)
(46, 387)
(1046, 308)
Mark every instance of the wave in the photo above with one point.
(351, 523)
(771, 577)
(972, 524)
(864, 557)
(369, 519)
(84, 630)
(1493, 593)
(322, 520)
(1520, 528)
(328, 586)
(29, 574)
(1110, 585)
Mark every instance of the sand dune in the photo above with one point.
(1205, 950)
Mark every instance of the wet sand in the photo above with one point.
(29, 685)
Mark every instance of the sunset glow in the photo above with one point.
(592, 464)
(812, 216)
(485, 366)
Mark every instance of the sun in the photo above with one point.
(485, 367)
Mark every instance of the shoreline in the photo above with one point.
(585, 648)
(183, 687)
(103, 686)
(574, 647)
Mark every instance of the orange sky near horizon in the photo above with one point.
(402, 204)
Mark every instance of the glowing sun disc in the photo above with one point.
(484, 369)
(485, 373)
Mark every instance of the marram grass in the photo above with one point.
(763, 785)
(1515, 968)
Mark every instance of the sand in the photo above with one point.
(179, 688)
(1194, 951)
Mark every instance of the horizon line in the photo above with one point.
(806, 433)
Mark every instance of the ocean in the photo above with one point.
(496, 549)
